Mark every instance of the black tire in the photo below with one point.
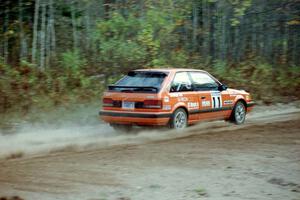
(238, 114)
(121, 127)
(179, 119)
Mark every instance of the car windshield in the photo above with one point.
(140, 81)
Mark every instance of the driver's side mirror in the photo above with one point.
(222, 87)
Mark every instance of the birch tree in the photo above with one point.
(43, 37)
(23, 42)
(74, 24)
(35, 31)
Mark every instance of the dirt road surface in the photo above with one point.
(214, 160)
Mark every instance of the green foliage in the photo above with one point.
(72, 60)
(288, 81)
(146, 39)
(130, 42)
(74, 66)
(119, 44)
(264, 82)
(25, 86)
(239, 7)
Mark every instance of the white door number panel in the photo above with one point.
(216, 100)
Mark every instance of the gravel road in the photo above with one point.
(213, 160)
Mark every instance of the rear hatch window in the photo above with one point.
(140, 81)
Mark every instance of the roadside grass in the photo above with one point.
(201, 192)
(14, 155)
(11, 198)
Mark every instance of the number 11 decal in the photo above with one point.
(216, 99)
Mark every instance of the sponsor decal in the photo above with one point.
(228, 102)
(205, 103)
(183, 99)
(193, 105)
(173, 95)
(216, 99)
(166, 99)
(176, 95)
(166, 107)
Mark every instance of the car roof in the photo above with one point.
(170, 70)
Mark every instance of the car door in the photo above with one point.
(209, 97)
(181, 94)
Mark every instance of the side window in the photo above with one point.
(202, 81)
(181, 82)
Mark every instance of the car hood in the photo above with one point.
(234, 91)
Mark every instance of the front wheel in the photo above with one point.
(238, 115)
(179, 119)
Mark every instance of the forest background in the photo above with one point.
(64, 52)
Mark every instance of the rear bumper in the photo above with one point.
(136, 118)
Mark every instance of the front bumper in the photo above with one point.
(250, 105)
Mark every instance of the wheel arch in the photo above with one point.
(185, 109)
(173, 113)
(232, 115)
(241, 100)
(238, 100)
(183, 106)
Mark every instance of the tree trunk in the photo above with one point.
(23, 43)
(212, 33)
(205, 28)
(74, 28)
(48, 39)
(195, 25)
(43, 37)
(35, 31)
(224, 32)
(52, 26)
(87, 27)
(5, 43)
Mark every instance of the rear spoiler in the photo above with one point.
(111, 87)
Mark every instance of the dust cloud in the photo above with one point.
(82, 130)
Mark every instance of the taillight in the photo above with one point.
(152, 104)
(107, 102)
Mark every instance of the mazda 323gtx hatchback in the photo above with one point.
(172, 97)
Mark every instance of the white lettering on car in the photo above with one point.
(228, 102)
(193, 105)
(183, 99)
(166, 107)
(174, 95)
(205, 103)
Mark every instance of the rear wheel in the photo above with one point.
(179, 119)
(238, 115)
(121, 127)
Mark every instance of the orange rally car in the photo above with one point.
(173, 97)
